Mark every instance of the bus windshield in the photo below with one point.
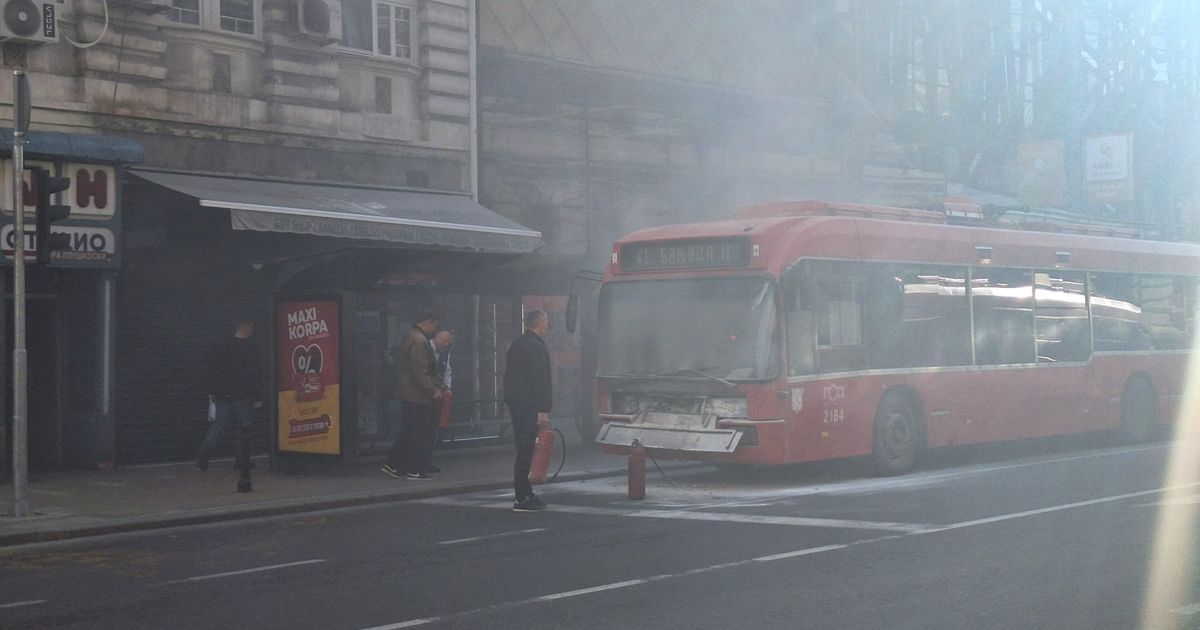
(715, 327)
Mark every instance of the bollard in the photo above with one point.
(637, 471)
(243, 461)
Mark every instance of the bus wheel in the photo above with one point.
(1139, 410)
(899, 434)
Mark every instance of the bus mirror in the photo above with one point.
(572, 312)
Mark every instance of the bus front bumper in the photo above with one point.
(672, 432)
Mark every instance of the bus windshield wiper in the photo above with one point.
(680, 372)
(701, 372)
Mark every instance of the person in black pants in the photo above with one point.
(420, 396)
(235, 385)
(527, 394)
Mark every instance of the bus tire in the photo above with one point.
(1139, 410)
(899, 434)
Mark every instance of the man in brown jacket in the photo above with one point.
(420, 396)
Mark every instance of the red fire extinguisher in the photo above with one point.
(543, 449)
(637, 471)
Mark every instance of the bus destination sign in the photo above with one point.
(696, 254)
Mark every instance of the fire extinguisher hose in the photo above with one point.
(562, 462)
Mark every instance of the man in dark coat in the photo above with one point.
(420, 397)
(235, 385)
(527, 394)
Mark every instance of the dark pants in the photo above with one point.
(412, 452)
(525, 430)
(231, 413)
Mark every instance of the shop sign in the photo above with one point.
(308, 377)
(28, 198)
(93, 190)
(88, 245)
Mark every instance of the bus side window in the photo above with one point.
(1002, 301)
(1165, 311)
(839, 322)
(918, 316)
(1117, 321)
(801, 334)
(1062, 317)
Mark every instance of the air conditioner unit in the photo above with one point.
(29, 21)
(318, 20)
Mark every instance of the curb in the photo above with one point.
(285, 506)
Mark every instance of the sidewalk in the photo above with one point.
(72, 504)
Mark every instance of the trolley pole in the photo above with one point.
(21, 107)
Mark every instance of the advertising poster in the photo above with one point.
(308, 379)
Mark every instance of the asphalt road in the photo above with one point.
(1040, 536)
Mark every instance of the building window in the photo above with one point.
(234, 16)
(237, 16)
(383, 95)
(222, 74)
(184, 11)
(380, 28)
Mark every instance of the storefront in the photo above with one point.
(348, 265)
(69, 303)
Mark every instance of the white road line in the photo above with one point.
(1059, 508)
(718, 517)
(588, 591)
(801, 552)
(1188, 610)
(794, 521)
(862, 486)
(272, 567)
(612, 586)
(457, 541)
(409, 623)
(29, 602)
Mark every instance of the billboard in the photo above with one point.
(308, 377)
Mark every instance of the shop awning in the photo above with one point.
(429, 219)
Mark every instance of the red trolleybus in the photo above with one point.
(807, 331)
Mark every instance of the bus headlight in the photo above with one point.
(727, 407)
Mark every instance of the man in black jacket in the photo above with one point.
(234, 384)
(527, 394)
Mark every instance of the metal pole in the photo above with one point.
(20, 406)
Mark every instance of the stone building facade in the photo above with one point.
(310, 106)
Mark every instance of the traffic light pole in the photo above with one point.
(20, 375)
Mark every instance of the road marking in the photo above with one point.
(404, 624)
(1188, 500)
(798, 553)
(272, 567)
(794, 521)
(718, 517)
(1059, 508)
(588, 591)
(30, 602)
(495, 608)
(457, 541)
(1188, 610)
(912, 480)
